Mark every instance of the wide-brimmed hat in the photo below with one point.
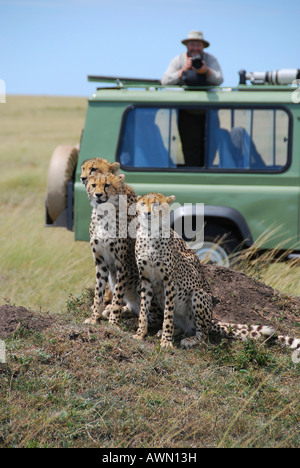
(195, 36)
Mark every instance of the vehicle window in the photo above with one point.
(254, 139)
(207, 139)
(163, 138)
(148, 140)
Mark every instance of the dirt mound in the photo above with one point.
(12, 318)
(245, 300)
(241, 299)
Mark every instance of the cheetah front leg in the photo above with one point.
(101, 282)
(155, 316)
(202, 307)
(115, 308)
(146, 299)
(168, 322)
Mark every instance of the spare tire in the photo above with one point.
(61, 171)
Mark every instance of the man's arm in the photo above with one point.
(214, 75)
(171, 76)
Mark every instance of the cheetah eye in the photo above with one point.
(94, 185)
(142, 204)
(93, 169)
(106, 185)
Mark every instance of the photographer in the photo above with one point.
(194, 67)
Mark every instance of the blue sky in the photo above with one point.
(50, 46)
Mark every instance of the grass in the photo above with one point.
(272, 267)
(79, 386)
(39, 266)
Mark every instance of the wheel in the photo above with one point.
(219, 244)
(214, 254)
(61, 171)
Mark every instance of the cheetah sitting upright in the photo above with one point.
(91, 167)
(95, 166)
(173, 273)
(113, 248)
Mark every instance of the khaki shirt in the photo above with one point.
(171, 74)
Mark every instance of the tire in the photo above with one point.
(219, 244)
(61, 171)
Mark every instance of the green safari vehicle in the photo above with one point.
(231, 155)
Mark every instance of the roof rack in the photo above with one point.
(124, 81)
(285, 76)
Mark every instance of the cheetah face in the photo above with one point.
(96, 165)
(153, 207)
(103, 188)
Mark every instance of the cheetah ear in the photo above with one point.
(121, 177)
(115, 167)
(139, 197)
(170, 199)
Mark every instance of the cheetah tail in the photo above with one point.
(244, 332)
(293, 343)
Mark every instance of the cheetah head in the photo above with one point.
(153, 206)
(103, 188)
(96, 165)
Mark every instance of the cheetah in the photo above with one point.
(170, 271)
(95, 165)
(88, 168)
(113, 248)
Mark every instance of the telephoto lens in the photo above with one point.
(285, 76)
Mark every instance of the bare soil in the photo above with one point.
(245, 300)
(12, 318)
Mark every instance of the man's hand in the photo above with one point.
(202, 70)
(187, 65)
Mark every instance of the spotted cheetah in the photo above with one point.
(113, 248)
(91, 167)
(173, 273)
(95, 165)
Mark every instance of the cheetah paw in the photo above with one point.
(106, 313)
(91, 321)
(138, 337)
(166, 344)
(112, 314)
(188, 343)
(108, 309)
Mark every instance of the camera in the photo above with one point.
(197, 61)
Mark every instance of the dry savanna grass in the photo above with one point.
(79, 386)
(39, 266)
(73, 385)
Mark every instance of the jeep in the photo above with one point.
(235, 150)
